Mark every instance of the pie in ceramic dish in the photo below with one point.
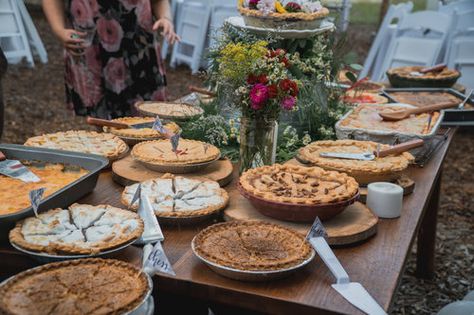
(357, 97)
(179, 197)
(81, 229)
(139, 134)
(421, 99)
(105, 144)
(410, 77)
(252, 246)
(14, 193)
(167, 110)
(387, 168)
(159, 152)
(365, 116)
(83, 286)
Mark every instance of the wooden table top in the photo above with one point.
(377, 263)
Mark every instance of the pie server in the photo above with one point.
(14, 169)
(353, 292)
(118, 125)
(369, 156)
(435, 68)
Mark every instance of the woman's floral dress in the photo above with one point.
(123, 64)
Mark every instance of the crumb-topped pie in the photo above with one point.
(357, 97)
(411, 77)
(380, 169)
(160, 152)
(83, 141)
(167, 110)
(14, 193)
(179, 197)
(298, 185)
(83, 286)
(252, 246)
(81, 229)
(365, 116)
(142, 133)
(424, 98)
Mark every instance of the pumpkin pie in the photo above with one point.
(142, 133)
(298, 185)
(380, 169)
(83, 286)
(252, 246)
(81, 229)
(167, 110)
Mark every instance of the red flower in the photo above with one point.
(258, 96)
(262, 79)
(286, 62)
(252, 79)
(276, 53)
(272, 91)
(253, 4)
(293, 7)
(289, 86)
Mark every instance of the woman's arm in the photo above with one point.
(71, 39)
(162, 12)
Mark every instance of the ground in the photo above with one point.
(35, 104)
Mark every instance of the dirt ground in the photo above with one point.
(34, 101)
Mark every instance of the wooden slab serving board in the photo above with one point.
(127, 172)
(355, 224)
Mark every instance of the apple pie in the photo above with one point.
(142, 133)
(167, 110)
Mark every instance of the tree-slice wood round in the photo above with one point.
(355, 224)
(127, 172)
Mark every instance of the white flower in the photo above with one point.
(306, 139)
(266, 6)
(311, 7)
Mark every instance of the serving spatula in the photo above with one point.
(435, 68)
(369, 156)
(405, 113)
(115, 124)
(15, 169)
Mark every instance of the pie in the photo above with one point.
(364, 98)
(14, 193)
(84, 286)
(381, 169)
(83, 141)
(81, 229)
(298, 184)
(425, 98)
(168, 110)
(142, 133)
(177, 196)
(365, 116)
(410, 77)
(252, 246)
(160, 152)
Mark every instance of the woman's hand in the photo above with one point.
(72, 41)
(168, 30)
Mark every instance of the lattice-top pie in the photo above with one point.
(169, 110)
(142, 133)
(160, 152)
(298, 184)
(177, 196)
(252, 246)
(104, 144)
(82, 286)
(81, 229)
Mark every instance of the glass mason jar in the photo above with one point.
(258, 138)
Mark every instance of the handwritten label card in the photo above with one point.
(158, 262)
(35, 198)
(317, 230)
(175, 142)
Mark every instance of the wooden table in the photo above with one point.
(377, 264)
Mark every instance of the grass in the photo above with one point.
(368, 12)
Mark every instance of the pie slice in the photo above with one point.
(179, 197)
(252, 246)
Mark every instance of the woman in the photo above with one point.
(111, 55)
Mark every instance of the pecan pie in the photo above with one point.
(159, 152)
(252, 246)
(410, 77)
(177, 196)
(168, 110)
(298, 184)
(81, 229)
(83, 286)
(380, 169)
(141, 134)
(104, 144)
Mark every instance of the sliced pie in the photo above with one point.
(160, 152)
(167, 110)
(81, 229)
(252, 246)
(82, 286)
(177, 196)
(380, 169)
(104, 144)
(298, 185)
(142, 133)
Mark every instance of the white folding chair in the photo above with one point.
(388, 27)
(13, 37)
(174, 4)
(459, 6)
(419, 40)
(33, 37)
(219, 13)
(343, 9)
(192, 28)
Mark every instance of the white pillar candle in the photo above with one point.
(385, 199)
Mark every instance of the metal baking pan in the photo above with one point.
(452, 117)
(389, 137)
(66, 195)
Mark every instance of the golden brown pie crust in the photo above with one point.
(404, 72)
(169, 110)
(298, 184)
(141, 134)
(303, 16)
(352, 97)
(252, 246)
(82, 286)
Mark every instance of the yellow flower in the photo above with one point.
(279, 7)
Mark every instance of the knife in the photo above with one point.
(14, 169)
(116, 124)
(369, 156)
(353, 292)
